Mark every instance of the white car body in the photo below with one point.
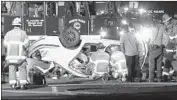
(64, 56)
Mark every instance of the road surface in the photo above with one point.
(82, 88)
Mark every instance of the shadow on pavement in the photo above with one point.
(36, 86)
(141, 96)
(80, 89)
(74, 82)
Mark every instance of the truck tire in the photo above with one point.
(70, 38)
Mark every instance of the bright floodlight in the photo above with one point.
(141, 11)
(145, 34)
(121, 32)
(126, 9)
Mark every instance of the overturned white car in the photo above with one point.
(91, 58)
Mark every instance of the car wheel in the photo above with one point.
(70, 38)
(38, 79)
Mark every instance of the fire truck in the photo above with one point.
(53, 18)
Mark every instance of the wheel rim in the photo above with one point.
(70, 36)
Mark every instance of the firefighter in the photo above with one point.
(100, 60)
(130, 47)
(156, 48)
(170, 41)
(18, 36)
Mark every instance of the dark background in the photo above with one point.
(167, 6)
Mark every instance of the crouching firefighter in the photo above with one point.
(16, 43)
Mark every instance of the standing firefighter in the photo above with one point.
(16, 42)
(170, 41)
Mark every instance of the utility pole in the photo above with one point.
(22, 16)
(45, 17)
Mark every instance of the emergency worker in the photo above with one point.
(19, 37)
(100, 59)
(170, 41)
(129, 46)
(155, 51)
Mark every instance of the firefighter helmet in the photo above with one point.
(17, 21)
(166, 17)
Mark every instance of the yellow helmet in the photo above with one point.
(166, 17)
(17, 21)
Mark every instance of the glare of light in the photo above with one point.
(141, 11)
(124, 22)
(103, 33)
(101, 12)
(137, 35)
(117, 28)
(144, 34)
(126, 8)
(121, 32)
(131, 29)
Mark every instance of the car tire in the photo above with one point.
(37, 79)
(70, 38)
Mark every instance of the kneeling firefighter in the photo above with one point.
(16, 42)
(100, 60)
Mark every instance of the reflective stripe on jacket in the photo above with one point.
(17, 35)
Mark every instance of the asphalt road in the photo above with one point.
(86, 89)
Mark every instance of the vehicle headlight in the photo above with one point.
(124, 22)
(117, 28)
(103, 32)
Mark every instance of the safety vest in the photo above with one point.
(170, 44)
(169, 31)
(16, 35)
(101, 61)
(16, 42)
(169, 55)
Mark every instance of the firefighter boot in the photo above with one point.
(23, 87)
(12, 76)
(23, 76)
